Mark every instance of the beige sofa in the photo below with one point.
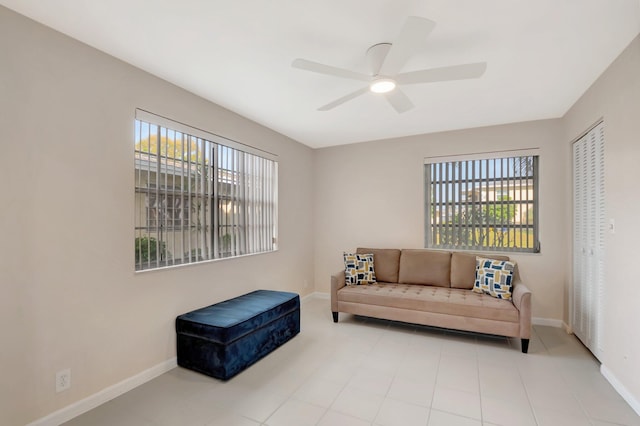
(433, 288)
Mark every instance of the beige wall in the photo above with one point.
(69, 296)
(372, 195)
(615, 96)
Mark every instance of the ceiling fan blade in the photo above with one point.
(413, 33)
(344, 99)
(399, 101)
(304, 64)
(453, 72)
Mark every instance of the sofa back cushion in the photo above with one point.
(463, 268)
(428, 267)
(386, 263)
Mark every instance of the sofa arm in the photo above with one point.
(522, 301)
(337, 282)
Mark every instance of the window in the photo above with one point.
(169, 209)
(482, 203)
(199, 196)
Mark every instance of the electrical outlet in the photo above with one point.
(63, 380)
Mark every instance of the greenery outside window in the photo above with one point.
(199, 196)
(482, 203)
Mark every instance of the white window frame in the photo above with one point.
(230, 190)
(463, 212)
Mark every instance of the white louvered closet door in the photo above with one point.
(588, 239)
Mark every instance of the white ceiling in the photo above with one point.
(541, 55)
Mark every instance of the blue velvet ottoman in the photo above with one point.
(223, 339)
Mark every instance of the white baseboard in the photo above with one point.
(549, 322)
(620, 388)
(315, 295)
(71, 411)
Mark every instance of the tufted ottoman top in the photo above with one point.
(227, 321)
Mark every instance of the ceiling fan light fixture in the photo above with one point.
(382, 85)
(386, 61)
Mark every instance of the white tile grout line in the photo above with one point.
(526, 391)
(435, 385)
(82, 406)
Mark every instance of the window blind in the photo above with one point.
(199, 200)
(485, 203)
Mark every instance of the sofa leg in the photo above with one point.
(335, 316)
(525, 346)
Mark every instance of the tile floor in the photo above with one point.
(370, 372)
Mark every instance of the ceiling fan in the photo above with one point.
(386, 60)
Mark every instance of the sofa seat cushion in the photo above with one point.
(442, 300)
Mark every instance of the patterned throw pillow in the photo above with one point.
(358, 269)
(494, 277)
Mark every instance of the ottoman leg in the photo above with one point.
(335, 316)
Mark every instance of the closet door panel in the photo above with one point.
(588, 239)
(580, 310)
